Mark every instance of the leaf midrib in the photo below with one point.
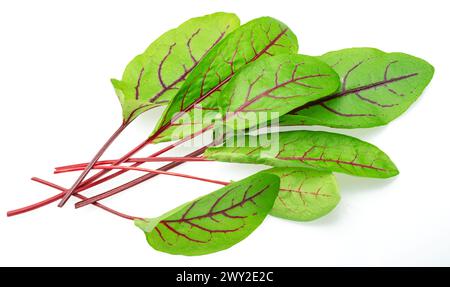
(352, 91)
(219, 85)
(337, 161)
(213, 213)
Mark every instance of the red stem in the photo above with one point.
(131, 153)
(67, 168)
(146, 177)
(132, 183)
(81, 188)
(91, 164)
(157, 172)
(92, 181)
(54, 198)
(135, 181)
(154, 136)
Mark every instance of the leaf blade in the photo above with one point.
(305, 194)
(216, 221)
(377, 87)
(311, 149)
(255, 40)
(152, 78)
(276, 84)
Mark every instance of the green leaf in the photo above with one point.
(215, 221)
(152, 78)
(310, 149)
(376, 88)
(257, 39)
(276, 85)
(305, 194)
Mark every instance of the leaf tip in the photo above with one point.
(395, 171)
(392, 171)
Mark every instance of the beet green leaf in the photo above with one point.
(257, 39)
(152, 78)
(309, 149)
(215, 221)
(276, 84)
(305, 194)
(376, 88)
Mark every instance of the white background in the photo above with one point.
(58, 107)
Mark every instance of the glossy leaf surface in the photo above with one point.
(376, 88)
(276, 85)
(305, 194)
(215, 221)
(152, 78)
(310, 149)
(257, 39)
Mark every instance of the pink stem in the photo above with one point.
(54, 198)
(92, 181)
(83, 187)
(85, 199)
(131, 153)
(157, 172)
(135, 181)
(72, 167)
(86, 170)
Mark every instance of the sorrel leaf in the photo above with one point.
(276, 84)
(309, 149)
(215, 221)
(152, 78)
(257, 39)
(305, 194)
(376, 88)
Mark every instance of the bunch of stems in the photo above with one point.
(105, 166)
